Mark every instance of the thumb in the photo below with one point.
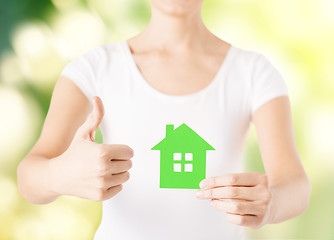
(88, 128)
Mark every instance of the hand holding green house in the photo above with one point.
(182, 158)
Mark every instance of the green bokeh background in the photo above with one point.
(38, 37)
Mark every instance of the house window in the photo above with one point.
(177, 156)
(177, 167)
(187, 167)
(188, 156)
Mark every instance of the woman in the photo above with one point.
(176, 71)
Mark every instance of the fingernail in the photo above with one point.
(199, 193)
(202, 184)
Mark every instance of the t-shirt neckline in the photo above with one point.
(219, 74)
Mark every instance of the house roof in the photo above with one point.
(182, 137)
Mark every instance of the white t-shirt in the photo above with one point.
(136, 114)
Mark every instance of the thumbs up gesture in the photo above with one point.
(88, 169)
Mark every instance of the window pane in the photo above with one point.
(177, 167)
(188, 167)
(189, 156)
(177, 156)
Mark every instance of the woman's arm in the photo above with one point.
(256, 199)
(65, 160)
(287, 179)
(68, 110)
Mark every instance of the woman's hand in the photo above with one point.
(244, 197)
(88, 169)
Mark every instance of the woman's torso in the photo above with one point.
(136, 114)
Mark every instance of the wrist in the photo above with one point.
(271, 207)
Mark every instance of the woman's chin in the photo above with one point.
(178, 8)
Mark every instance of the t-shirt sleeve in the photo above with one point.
(266, 84)
(83, 72)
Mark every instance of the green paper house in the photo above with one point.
(182, 158)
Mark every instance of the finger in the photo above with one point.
(119, 178)
(243, 193)
(242, 220)
(117, 166)
(88, 128)
(112, 191)
(105, 194)
(237, 207)
(249, 179)
(110, 180)
(118, 151)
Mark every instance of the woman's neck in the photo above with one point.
(174, 32)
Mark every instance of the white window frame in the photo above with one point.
(177, 164)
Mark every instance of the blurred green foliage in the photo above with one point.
(38, 37)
